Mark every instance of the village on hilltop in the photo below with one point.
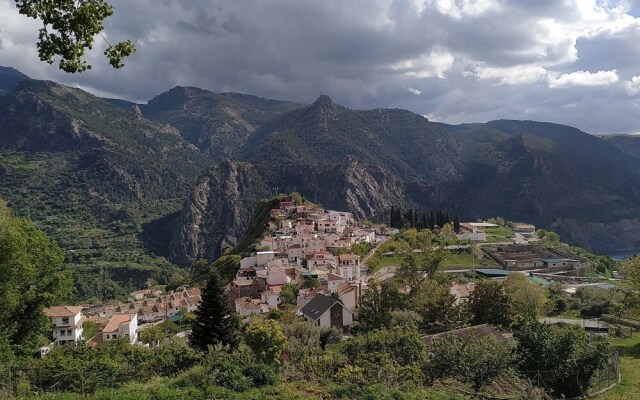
(309, 250)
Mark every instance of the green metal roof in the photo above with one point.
(491, 272)
(540, 281)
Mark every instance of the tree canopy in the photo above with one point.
(33, 277)
(69, 28)
(215, 322)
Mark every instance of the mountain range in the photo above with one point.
(132, 190)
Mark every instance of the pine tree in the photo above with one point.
(215, 322)
(456, 224)
(440, 218)
(431, 220)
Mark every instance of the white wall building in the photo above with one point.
(66, 323)
(121, 325)
(349, 266)
(327, 312)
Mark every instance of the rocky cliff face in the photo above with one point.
(217, 212)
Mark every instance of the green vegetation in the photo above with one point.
(33, 278)
(69, 29)
(628, 388)
(109, 197)
(499, 231)
(215, 322)
(463, 258)
(383, 354)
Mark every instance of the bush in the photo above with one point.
(230, 376)
(261, 374)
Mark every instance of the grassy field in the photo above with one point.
(498, 231)
(629, 387)
(569, 314)
(459, 258)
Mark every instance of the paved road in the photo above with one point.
(593, 324)
(365, 268)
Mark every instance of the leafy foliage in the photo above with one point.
(69, 29)
(476, 360)
(565, 358)
(33, 277)
(266, 340)
(489, 303)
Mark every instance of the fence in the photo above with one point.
(84, 379)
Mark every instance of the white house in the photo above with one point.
(121, 325)
(66, 323)
(349, 266)
(328, 226)
(248, 262)
(142, 294)
(333, 281)
(276, 275)
(350, 293)
(271, 298)
(327, 312)
(295, 252)
(247, 306)
(321, 259)
(263, 257)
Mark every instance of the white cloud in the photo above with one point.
(458, 9)
(512, 75)
(584, 78)
(633, 86)
(415, 91)
(432, 65)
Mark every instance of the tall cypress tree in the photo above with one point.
(456, 224)
(431, 220)
(440, 218)
(215, 321)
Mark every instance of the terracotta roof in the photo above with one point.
(116, 321)
(247, 303)
(349, 257)
(243, 282)
(295, 246)
(334, 277)
(62, 311)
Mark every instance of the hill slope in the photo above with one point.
(217, 123)
(554, 176)
(91, 174)
(122, 186)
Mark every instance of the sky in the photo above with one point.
(575, 62)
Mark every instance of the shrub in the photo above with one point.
(261, 374)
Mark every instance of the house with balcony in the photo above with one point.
(66, 323)
(349, 266)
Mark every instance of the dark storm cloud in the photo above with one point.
(452, 60)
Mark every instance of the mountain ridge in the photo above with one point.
(179, 176)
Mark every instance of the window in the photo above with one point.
(61, 333)
(69, 332)
(65, 320)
